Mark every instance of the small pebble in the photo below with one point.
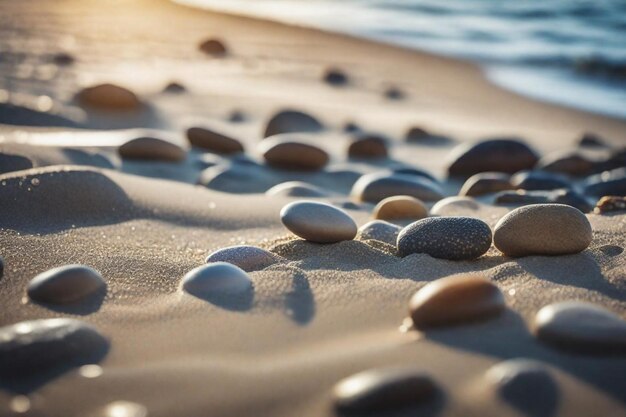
(486, 183)
(297, 189)
(351, 127)
(236, 116)
(499, 155)
(454, 238)
(543, 229)
(416, 134)
(152, 149)
(521, 197)
(248, 258)
(539, 180)
(217, 278)
(379, 230)
(607, 183)
(285, 152)
(214, 47)
(591, 140)
(366, 146)
(610, 203)
(174, 88)
(291, 121)
(581, 326)
(569, 163)
(401, 207)
(335, 77)
(378, 186)
(394, 93)
(65, 284)
(109, 97)
(204, 138)
(318, 222)
(63, 58)
(452, 206)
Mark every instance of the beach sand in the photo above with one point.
(326, 311)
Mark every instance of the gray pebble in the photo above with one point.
(318, 222)
(65, 284)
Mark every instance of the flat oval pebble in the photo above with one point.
(539, 180)
(607, 183)
(318, 222)
(378, 186)
(486, 183)
(297, 189)
(384, 389)
(214, 47)
(522, 197)
(218, 278)
(367, 146)
(285, 153)
(204, 138)
(289, 121)
(152, 149)
(570, 163)
(379, 230)
(248, 258)
(499, 155)
(65, 284)
(109, 97)
(400, 207)
(543, 229)
(454, 238)
(451, 206)
(454, 300)
(581, 326)
(30, 348)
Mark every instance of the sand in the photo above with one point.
(325, 313)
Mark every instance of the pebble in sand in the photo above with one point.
(379, 230)
(335, 77)
(570, 163)
(453, 238)
(218, 278)
(367, 146)
(174, 88)
(286, 152)
(152, 149)
(607, 183)
(394, 93)
(213, 47)
(29, 348)
(378, 186)
(499, 155)
(486, 183)
(543, 229)
(401, 207)
(453, 206)
(581, 326)
(455, 300)
(522, 197)
(384, 389)
(210, 140)
(610, 203)
(248, 258)
(591, 140)
(65, 284)
(296, 189)
(539, 180)
(318, 222)
(289, 121)
(108, 97)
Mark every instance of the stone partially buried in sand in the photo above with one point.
(379, 230)
(152, 149)
(486, 183)
(378, 186)
(581, 326)
(248, 258)
(543, 229)
(318, 222)
(210, 140)
(401, 207)
(384, 390)
(499, 155)
(296, 189)
(65, 284)
(108, 97)
(290, 121)
(367, 147)
(286, 152)
(213, 47)
(455, 300)
(218, 278)
(453, 238)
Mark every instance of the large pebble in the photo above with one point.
(455, 300)
(570, 163)
(378, 186)
(379, 230)
(499, 155)
(367, 146)
(581, 326)
(248, 258)
(109, 97)
(454, 238)
(204, 138)
(486, 183)
(539, 180)
(522, 197)
(218, 278)
(285, 152)
(607, 183)
(297, 189)
(318, 222)
(543, 229)
(35, 347)
(384, 389)
(401, 207)
(152, 149)
(65, 284)
(289, 121)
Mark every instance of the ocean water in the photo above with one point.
(571, 52)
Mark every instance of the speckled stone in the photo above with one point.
(367, 146)
(11, 162)
(543, 229)
(378, 186)
(289, 121)
(607, 183)
(454, 238)
(521, 197)
(296, 189)
(581, 326)
(204, 138)
(65, 284)
(455, 300)
(568, 162)
(610, 203)
(108, 97)
(384, 389)
(152, 149)
(400, 207)
(539, 180)
(213, 47)
(286, 152)
(216, 278)
(379, 230)
(335, 77)
(248, 258)
(486, 183)
(318, 222)
(449, 206)
(499, 155)
(31, 348)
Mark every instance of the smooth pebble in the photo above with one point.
(297, 189)
(367, 146)
(289, 121)
(248, 258)
(285, 152)
(109, 97)
(401, 207)
(213, 47)
(499, 155)
(318, 222)
(65, 284)
(378, 186)
(486, 183)
(210, 140)
(539, 180)
(217, 278)
(152, 149)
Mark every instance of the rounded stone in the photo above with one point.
(296, 189)
(286, 153)
(455, 300)
(108, 97)
(289, 121)
(570, 163)
(581, 326)
(65, 284)
(499, 155)
(174, 87)
(318, 222)
(384, 389)
(452, 206)
(335, 77)
(214, 47)
(152, 149)
(539, 180)
(218, 278)
(394, 93)
(378, 186)
(204, 138)
(400, 207)
(543, 229)
(367, 147)
(607, 183)
(31, 348)
(417, 134)
(248, 258)
(453, 238)
(486, 183)
(379, 230)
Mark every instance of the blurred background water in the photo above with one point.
(571, 52)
